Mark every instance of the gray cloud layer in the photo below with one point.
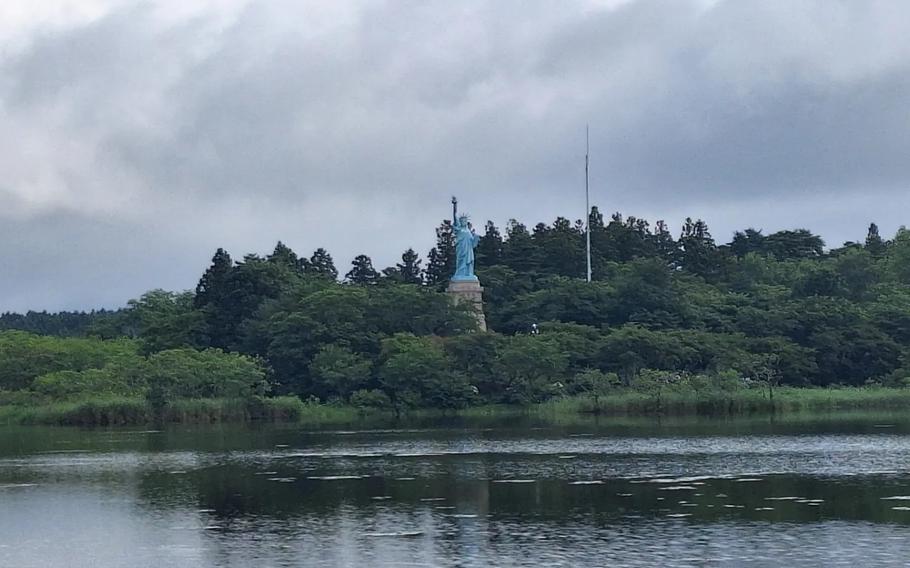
(138, 140)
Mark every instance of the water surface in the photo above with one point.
(805, 491)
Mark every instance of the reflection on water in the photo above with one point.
(759, 492)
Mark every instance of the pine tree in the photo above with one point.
(596, 219)
(560, 249)
(489, 248)
(874, 242)
(441, 259)
(211, 287)
(251, 282)
(750, 240)
(664, 242)
(362, 271)
(408, 269)
(284, 256)
(600, 250)
(321, 264)
(519, 250)
(697, 252)
(798, 243)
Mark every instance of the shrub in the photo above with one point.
(370, 399)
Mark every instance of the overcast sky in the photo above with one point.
(137, 137)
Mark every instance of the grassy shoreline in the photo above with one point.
(114, 411)
(124, 411)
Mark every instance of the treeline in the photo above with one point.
(61, 324)
(759, 310)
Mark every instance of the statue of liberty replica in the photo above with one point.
(464, 285)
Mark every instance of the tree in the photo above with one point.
(211, 288)
(560, 248)
(187, 373)
(697, 252)
(796, 244)
(594, 383)
(167, 320)
(321, 264)
(857, 272)
(409, 270)
(897, 261)
(519, 251)
(489, 247)
(362, 271)
(624, 240)
(303, 321)
(25, 356)
(874, 242)
(643, 292)
(62, 324)
(748, 241)
(338, 372)
(529, 369)
(561, 299)
(249, 284)
(441, 259)
(664, 244)
(284, 256)
(415, 370)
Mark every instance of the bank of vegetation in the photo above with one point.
(669, 325)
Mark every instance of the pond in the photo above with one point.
(801, 491)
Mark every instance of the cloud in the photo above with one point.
(159, 131)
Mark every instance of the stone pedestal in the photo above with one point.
(470, 292)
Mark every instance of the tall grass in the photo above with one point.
(743, 401)
(114, 411)
(117, 411)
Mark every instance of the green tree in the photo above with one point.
(441, 259)
(794, 244)
(286, 257)
(664, 244)
(530, 369)
(415, 371)
(519, 251)
(321, 264)
(560, 249)
(748, 241)
(594, 383)
(338, 372)
(25, 356)
(296, 327)
(631, 348)
(168, 320)
(249, 285)
(857, 273)
(697, 252)
(362, 271)
(187, 373)
(212, 287)
(628, 239)
(409, 269)
(875, 245)
(489, 247)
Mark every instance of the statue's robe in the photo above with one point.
(465, 242)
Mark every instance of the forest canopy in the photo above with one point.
(775, 307)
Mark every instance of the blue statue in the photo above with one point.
(465, 243)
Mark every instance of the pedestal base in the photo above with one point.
(470, 292)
